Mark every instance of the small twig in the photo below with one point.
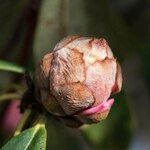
(22, 122)
(9, 96)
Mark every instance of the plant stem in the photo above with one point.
(40, 120)
(10, 96)
(23, 120)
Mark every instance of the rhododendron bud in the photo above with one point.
(77, 78)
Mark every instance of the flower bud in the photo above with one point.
(77, 78)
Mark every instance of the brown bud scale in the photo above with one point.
(77, 78)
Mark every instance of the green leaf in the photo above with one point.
(30, 139)
(7, 66)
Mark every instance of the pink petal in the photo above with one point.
(98, 109)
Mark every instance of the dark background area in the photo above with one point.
(31, 28)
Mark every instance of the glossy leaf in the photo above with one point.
(7, 66)
(30, 139)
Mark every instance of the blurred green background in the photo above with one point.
(31, 28)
